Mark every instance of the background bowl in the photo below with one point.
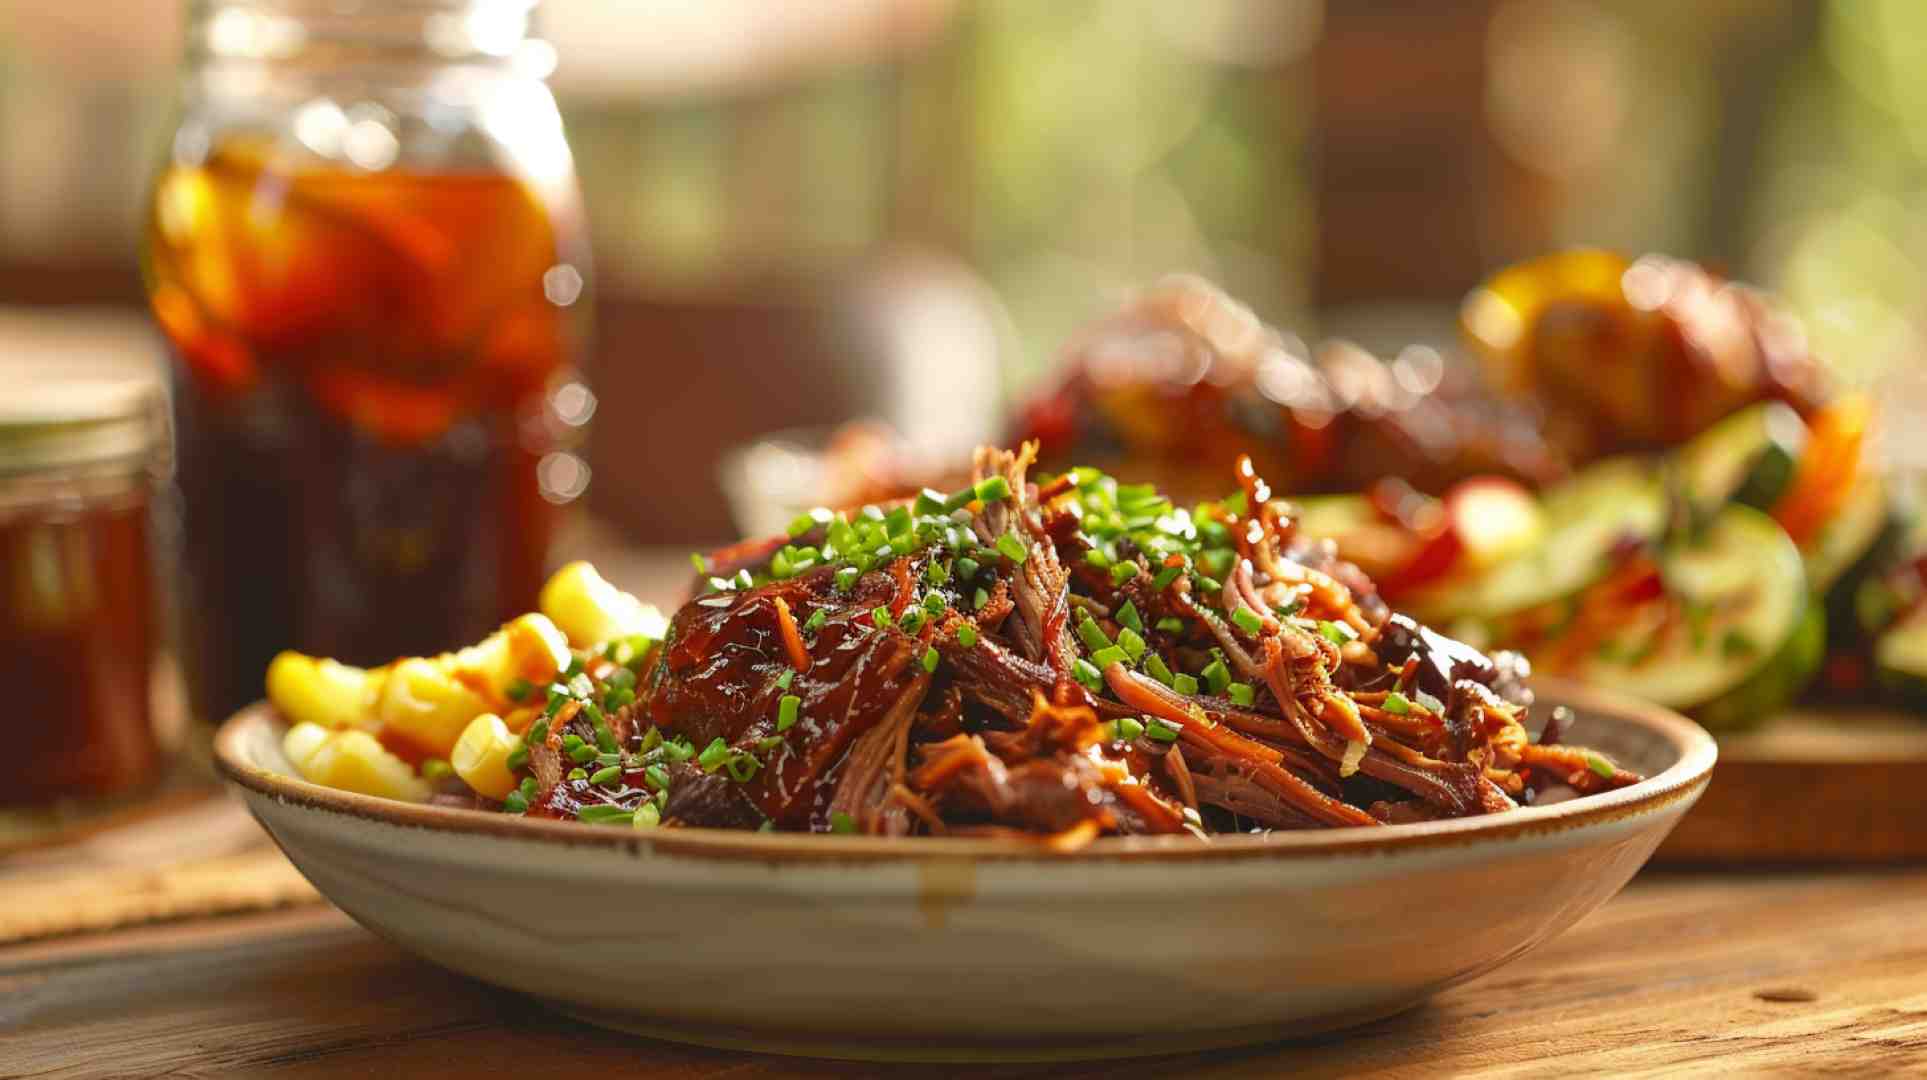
(950, 949)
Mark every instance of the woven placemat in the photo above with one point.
(208, 858)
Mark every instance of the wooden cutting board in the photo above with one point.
(1840, 784)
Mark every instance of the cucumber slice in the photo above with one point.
(1900, 659)
(1745, 576)
(1851, 535)
(1775, 684)
(1746, 458)
(1586, 518)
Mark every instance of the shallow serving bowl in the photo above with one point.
(974, 949)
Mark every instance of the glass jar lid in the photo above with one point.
(82, 391)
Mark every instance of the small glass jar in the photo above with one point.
(365, 247)
(83, 454)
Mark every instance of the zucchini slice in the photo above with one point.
(1746, 458)
(1900, 659)
(1743, 582)
(1586, 518)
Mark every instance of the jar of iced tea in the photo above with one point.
(366, 249)
(83, 480)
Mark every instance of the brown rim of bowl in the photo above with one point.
(1681, 781)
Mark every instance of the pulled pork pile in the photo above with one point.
(1066, 658)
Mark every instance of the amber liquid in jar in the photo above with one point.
(365, 399)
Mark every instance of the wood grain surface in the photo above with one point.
(1840, 785)
(1722, 971)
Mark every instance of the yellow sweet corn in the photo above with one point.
(591, 611)
(481, 756)
(529, 647)
(352, 761)
(318, 691)
(422, 701)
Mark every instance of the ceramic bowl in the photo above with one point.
(952, 949)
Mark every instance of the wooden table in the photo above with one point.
(1792, 970)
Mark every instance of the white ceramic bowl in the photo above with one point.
(940, 949)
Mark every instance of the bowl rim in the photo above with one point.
(1679, 782)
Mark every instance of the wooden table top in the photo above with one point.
(1798, 971)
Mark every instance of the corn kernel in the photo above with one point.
(423, 703)
(308, 690)
(529, 647)
(591, 611)
(481, 756)
(352, 761)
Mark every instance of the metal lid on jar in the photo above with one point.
(81, 390)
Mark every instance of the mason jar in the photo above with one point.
(365, 246)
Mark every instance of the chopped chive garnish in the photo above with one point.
(1012, 548)
(538, 732)
(930, 658)
(898, 521)
(558, 697)
(1216, 676)
(1096, 558)
(1154, 665)
(1171, 624)
(930, 503)
(1161, 730)
(582, 754)
(604, 814)
(1210, 585)
(678, 749)
(656, 777)
(578, 774)
(786, 709)
(696, 560)
(1085, 673)
(966, 567)
(786, 678)
(1248, 620)
(1123, 572)
(992, 488)
(1184, 684)
(934, 604)
(1129, 727)
(957, 500)
(1290, 607)
(742, 766)
(979, 599)
(713, 755)
(769, 742)
(1335, 632)
(846, 578)
(1242, 694)
(913, 620)
(842, 824)
(800, 524)
(571, 743)
(515, 803)
(1109, 655)
(880, 616)
(1397, 704)
(529, 788)
(437, 769)
(1600, 766)
(1093, 636)
(966, 635)
(817, 619)
(1128, 616)
(517, 758)
(937, 572)
(647, 816)
(1131, 642)
(1166, 576)
(606, 774)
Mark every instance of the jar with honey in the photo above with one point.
(365, 248)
